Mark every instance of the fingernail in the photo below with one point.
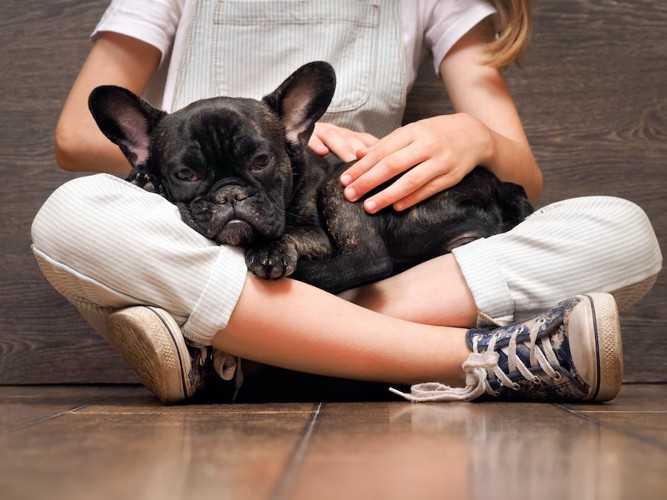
(370, 206)
(345, 179)
(351, 194)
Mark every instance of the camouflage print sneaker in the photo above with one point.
(572, 352)
(152, 344)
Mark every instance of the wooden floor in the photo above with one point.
(118, 442)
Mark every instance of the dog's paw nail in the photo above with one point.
(275, 274)
(259, 272)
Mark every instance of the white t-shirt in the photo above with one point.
(429, 27)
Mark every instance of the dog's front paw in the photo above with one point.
(145, 181)
(275, 260)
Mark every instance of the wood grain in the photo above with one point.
(591, 94)
(72, 443)
(42, 338)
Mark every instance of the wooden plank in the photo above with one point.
(487, 450)
(25, 406)
(120, 442)
(43, 338)
(131, 446)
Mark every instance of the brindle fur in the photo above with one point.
(290, 214)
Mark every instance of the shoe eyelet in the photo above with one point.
(558, 377)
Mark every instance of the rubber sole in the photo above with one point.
(151, 343)
(608, 346)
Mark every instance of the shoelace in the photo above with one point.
(227, 367)
(480, 366)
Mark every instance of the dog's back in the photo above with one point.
(368, 247)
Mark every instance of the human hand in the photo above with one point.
(432, 155)
(342, 142)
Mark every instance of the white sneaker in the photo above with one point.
(151, 342)
(571, 352)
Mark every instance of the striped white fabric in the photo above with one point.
(581, 245)
(248, 48)
(429, 27)
(103, 241)
(105, 244)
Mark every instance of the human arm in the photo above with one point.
(113, 60)
(485, 130)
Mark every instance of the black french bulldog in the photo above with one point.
(242, 174)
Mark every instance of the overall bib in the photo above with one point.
(246, 49)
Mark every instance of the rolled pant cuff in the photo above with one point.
(487, 284)
(218, 299)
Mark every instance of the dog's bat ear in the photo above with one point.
(126, 119)
(302, 99)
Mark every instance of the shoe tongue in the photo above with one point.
(505, 333)
(559, 343)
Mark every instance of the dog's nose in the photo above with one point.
(230, 194)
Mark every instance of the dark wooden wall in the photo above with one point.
(592, 95)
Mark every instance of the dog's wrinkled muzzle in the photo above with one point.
(229, 193)
(233, 214)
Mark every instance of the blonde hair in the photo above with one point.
(514, 27)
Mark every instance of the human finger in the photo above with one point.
(428, 189)
(389, 167)
(368, 140)
(343, 142)
(370, 157)
(346, 147)
(412, 181)
(316, 144)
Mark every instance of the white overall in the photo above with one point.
(105, 244)
(256, 45)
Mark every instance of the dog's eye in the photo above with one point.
(262, 161)
(186, 174)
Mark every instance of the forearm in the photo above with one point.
(479, 90)
(85, 149)
(512, 161)
(114, 60)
